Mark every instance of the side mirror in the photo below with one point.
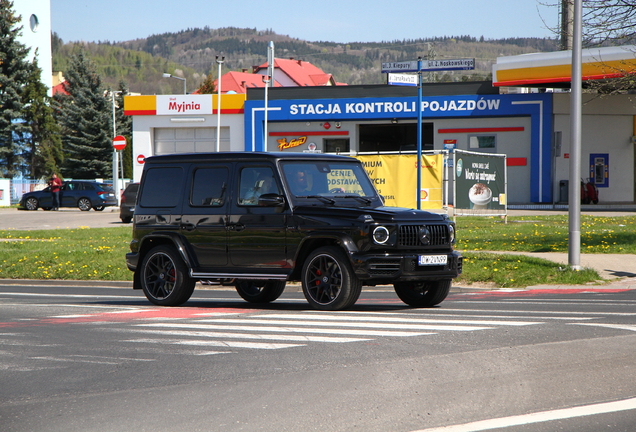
(271, 200)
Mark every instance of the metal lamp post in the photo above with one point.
(167, 75)
(266, 80)
(218, 108)
(115, 154)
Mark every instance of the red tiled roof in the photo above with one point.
(241, 81)
(60, 88)
(301, 72)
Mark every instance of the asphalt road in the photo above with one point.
(101, 358)
(11, 218)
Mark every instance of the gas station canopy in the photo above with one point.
(554, 69)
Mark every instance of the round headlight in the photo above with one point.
(451, 233)
(425, 235)
(380, 235)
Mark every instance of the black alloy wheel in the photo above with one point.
(328, 280)
(164, 277)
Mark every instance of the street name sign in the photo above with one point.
(405, 66)
(450, 64)
(403, 79)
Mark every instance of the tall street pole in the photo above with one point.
(218, 105)
(419, 133)
(574, 208)
(115, 154)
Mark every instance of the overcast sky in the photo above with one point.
(327, 20)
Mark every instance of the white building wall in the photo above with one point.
(36, 34)
(607, 127)
(144, 126)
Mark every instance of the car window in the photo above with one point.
(321, 178)
(254, 182)
(162, 187)
(209, 187)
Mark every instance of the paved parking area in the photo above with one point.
(14, 219)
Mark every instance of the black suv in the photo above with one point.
(258, 220)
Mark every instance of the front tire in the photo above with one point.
(260, 291)
(31, 203)
(84, 204)
(164, 277)
(423, 294)
(328, 280)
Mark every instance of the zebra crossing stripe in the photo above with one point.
(612, 326)
(419, 327)
(278, 329)
(228, 344)
(402, 320)
(213, 334)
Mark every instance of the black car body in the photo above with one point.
(257, 220)
(128, 200)
(82, 194)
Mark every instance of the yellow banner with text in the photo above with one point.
(395, 178)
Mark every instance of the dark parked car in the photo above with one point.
(83, 194)
(257, 220)
(128, 199)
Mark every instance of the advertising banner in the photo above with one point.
(395, 178)
(480, 183)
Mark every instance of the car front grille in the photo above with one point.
(409, 235)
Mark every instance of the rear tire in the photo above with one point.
(84, 204)
(164, 277)
(260, 291)
(423, 294)
(328, 280)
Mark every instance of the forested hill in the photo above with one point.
(191, 53)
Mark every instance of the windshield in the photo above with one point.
(328, 181)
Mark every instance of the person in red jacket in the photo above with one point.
(55, 184)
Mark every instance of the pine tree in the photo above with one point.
(85, 115)
(207, 86)
(14, 74)
(43, 151)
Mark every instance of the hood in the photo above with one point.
(379, 214)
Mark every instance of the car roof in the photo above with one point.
(244, 156)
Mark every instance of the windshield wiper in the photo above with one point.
(320, 197)
(358, 197)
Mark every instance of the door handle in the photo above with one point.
(188, 226)
(238, 227)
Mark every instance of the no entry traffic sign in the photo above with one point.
(119, 142)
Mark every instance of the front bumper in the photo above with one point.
(388, 268)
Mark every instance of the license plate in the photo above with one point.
(427, 260)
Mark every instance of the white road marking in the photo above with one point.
(250, 345)
(402, 320)
(357, 325)
(539, 417)
(211, 334)
(612, 326)
(288, 329)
